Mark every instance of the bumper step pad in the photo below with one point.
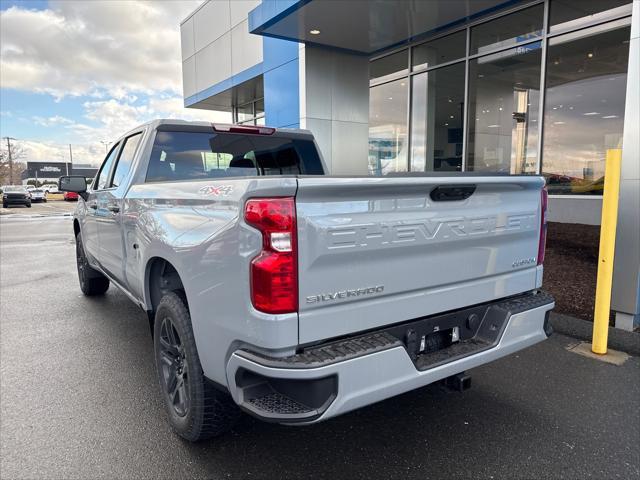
(275, 402)
(327, 354)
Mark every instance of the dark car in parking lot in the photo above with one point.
(15, 195)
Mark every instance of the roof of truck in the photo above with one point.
(186, 123)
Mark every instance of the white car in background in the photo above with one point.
(50, 188)
(38, 194)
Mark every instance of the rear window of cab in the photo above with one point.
(180, 155)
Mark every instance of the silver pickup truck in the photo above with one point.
(294, 296)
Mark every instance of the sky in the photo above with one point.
(83, 72)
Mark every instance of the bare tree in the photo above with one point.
(11, 166)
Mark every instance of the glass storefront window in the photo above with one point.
(504, 91)
(249, 113)
(584, 109)
(567, 14)
(388, 144)
(244, 112)
(442, 50)
(437, 119)
(507, 31)
(586, 66)
(260, 107)
(389, 67)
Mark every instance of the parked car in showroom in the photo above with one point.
(15, 195)
(38, 195)
(70, 196)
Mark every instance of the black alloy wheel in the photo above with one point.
(196, 409)
(91, 281)
(174, 368)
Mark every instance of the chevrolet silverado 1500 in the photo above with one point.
(294, 296)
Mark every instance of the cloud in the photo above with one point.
(114, 117)
(52, 152)
(107, 120)
(51, 121)
(98, 48)
(120, 59)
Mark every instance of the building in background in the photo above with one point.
(52, 171)
(520, 87)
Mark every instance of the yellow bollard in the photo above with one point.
(607, 249)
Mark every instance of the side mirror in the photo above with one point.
(73, 183)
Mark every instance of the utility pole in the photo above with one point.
(70, 160)
(106, 144)
(10, 158)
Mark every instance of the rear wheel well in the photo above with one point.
(162, 278)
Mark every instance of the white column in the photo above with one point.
(334, 105)
(625, 294)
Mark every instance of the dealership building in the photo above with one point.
(50, 172)
(546, 87)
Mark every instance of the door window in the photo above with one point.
(126, 158)
(103, 174)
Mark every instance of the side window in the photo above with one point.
(103, 174)
(126, 157)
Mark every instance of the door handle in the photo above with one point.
(93, 205)
(113, 208)
(449, 193)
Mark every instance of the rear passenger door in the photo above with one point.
(110, 203)
(90, 224)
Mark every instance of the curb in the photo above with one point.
(35, 215)
(622, 340)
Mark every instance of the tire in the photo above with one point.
(29, 205)
(195, 408)
(92, 282)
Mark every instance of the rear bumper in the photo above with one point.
(326, 382)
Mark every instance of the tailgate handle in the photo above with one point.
(449, 193)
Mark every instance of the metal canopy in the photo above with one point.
(223, 101)
(364, 26)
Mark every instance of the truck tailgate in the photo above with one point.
(374, 251)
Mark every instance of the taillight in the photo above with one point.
(274, 271)
(543, 225)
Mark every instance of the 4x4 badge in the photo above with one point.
(223, 190)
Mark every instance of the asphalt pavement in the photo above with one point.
(52, 207)
(79, 399)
